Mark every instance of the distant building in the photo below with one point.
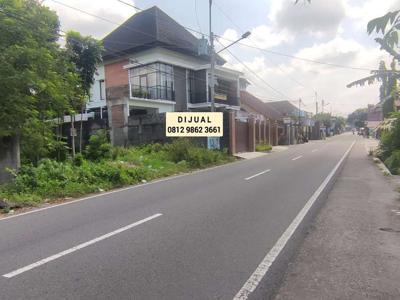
(374, 116)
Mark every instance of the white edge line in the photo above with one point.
(78, 247)
(258, 174)
(297, 157)
(251, 284)
(124, 189)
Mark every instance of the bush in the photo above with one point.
(393, 162)
(178, 150)
(263, 147)
(105, 169)
(99, 146)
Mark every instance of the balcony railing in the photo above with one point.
(198, 97)
(220, 98)
(153, 93)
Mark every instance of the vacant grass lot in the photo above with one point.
(103, 167)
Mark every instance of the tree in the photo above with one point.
(340, 124)
(86, 53)
(389, 26)
(36, 79)
(324, 118)
(358, 117)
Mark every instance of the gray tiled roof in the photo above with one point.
(284, 107)
(259, 106)
(149, 28)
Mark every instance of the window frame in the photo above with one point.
(164, 88)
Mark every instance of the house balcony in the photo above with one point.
(221, 100)
(226, 91)
(154, 99)
(156, 93)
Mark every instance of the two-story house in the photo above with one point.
(151, 65)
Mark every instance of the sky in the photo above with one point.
(329, 31)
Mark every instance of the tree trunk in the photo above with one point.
(80, 132)
(73, 134)
(59, 133)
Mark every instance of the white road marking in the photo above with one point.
(315, 150)
(78, 247)
(297, 157)
(255, 278)
(258, 174)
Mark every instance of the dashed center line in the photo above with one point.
(315, 150)
(258, 174)
(297, 157)
(78, 247)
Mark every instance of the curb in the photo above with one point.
(382, 166)
(276, 265)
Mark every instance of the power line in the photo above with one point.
(301, 58)
(238, 27)
(198, 32)
(110, 21)
(256, 75)
(131, 5)
(20, 17)
(197, 15)
(269, 51)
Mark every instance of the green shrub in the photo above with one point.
(99, 146)
(152, 148)
(106, 169)
(390, 141)
(178, 150)
(393, 162)
(78, 159)
(263, 147)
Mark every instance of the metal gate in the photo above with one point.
(242, 136)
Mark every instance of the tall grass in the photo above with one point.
(103, 167)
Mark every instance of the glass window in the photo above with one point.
(153, 81)
(191, 85)
(102, 89)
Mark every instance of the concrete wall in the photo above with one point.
(146, 129)
(9, 157)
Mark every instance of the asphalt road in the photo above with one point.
(198, 236)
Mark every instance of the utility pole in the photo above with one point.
(212, 67)
(299, 129)
(322, 105)
(299, 108)
(316, 104)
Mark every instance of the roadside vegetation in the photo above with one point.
(102, 167)
(387, 28)
(389, 147)
(263, 147)
(43, 81)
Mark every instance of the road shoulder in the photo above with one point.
(352, 250)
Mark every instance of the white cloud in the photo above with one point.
(261, 36)
(368, 10)
(329, 82)
(318, 18)
(74, 20)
